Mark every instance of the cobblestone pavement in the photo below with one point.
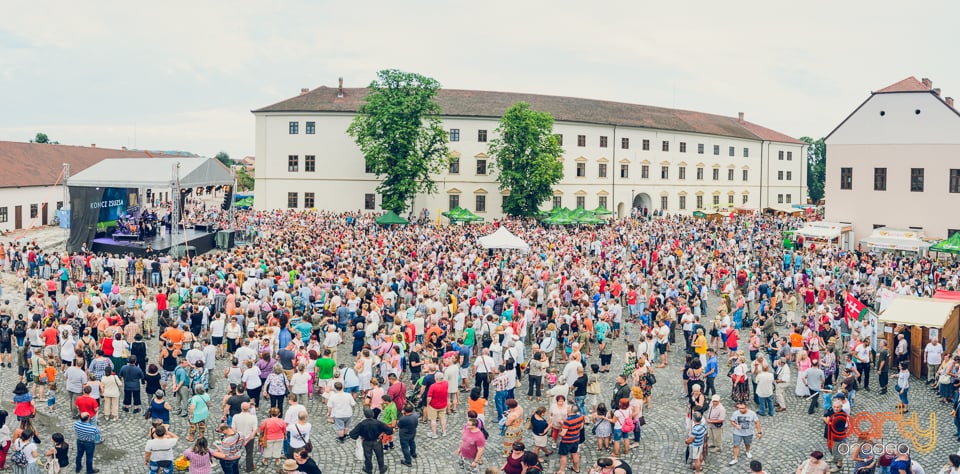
(788, 436)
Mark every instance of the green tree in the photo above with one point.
(224, 158)
(245, 181)
(526, 152)
(43, 138)
(399, 132)
(816, 167)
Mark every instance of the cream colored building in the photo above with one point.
(895, 162)
(616, 155)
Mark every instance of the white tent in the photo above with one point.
(915, 311)
(503, 239)
(897, 239)
(821, 230)
(154, 173)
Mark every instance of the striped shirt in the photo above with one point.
(572, 425)
(86, 431)
(699, 434)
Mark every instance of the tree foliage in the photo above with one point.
(526, 152)
(224, 158)
(43, 138)
(245, 181)
(398, 129)
(816, 167)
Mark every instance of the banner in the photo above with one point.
(854, 308)
(83, 219)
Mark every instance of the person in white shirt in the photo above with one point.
(245, 424)
(217, 327)
(782, 381)
(340, 406)
(933, 353)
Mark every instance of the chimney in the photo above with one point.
(927, 82)
(740, 117)
(949, 101)
(304, 90)
(937, 92)
(93, 145)
(340, 89)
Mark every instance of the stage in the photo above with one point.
(199, 241)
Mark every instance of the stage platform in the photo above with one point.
(199, 241)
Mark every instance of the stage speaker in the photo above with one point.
(226, 239)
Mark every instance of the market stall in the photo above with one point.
(831, 233)
(885, 238)
(924, 318)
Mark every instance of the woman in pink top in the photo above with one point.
(375, 397)
(273, 430)
(199, 457)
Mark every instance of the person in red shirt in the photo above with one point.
(50, 338)
(87, 404)
(437, 406)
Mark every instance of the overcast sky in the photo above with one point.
(185, 75)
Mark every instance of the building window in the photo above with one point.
(699, 174)
(581, 140)
(482, 136)
(293, 163)
(664, 172)
(730, 174)
(716, 174)
(955, 180)
(789, 175)
(916, 180)
(59, 205)
(645, 145)
(602, 170)
(699, 202)
(481, 167)
(663, 203)
(780, 155)
(581, 201)
(624, 171)
(846, 178)
(716, 201)
(310, 164)
(308, 200)
(780, 175)
(294, 128)
(683, 203)
(581, 170)
(699, 148)
(3, 214)
(557, 202)
(291, 200)
(779, 198)
(454, 166)
(503, 201)
(716, 150)
(732, 151)
(625, 143)
(367, 167)
(745, 198)
(665, 146)
(311, 128)
(33, 211)
(789, 198)
(603, 202)
(644, 171)
(746, 175)
(683, 147)
(746, 152)
(603, 141)
(682, 172)
(559, 137)
(879, 179)
(369, 201)
(789, 156)
(730, 199)
(454, 134)
(454, 201)
(481, 203)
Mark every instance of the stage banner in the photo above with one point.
(64, 218)
(84, 215)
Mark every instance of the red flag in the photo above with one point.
(852, 307)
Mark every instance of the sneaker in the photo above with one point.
(732, 461)
(749, 456)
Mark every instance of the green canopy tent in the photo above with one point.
(585, 217)
(699, 214)
(951, 245)
(391, 218)
(459, 214)
(602, 211)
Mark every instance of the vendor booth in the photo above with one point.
(924, 318)
(885, 238)
(830, 233)
(505, 240)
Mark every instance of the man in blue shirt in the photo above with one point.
(710, 372)
(87, 437)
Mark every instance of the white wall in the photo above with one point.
(10, 198)
(900, 123)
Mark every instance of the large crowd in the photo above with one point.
(329, 322)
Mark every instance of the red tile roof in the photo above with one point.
(910, 84)
(468, 103)
(40, 164)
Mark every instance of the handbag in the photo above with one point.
(308, 445)
(358, 451)
(593, 388)
(262, 440)
(51, 467)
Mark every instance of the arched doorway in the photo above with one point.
(642, 203)
(620, 210)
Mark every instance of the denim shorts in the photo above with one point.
(617, 434)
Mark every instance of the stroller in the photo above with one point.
(415, 399)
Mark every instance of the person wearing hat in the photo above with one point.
(290, 466)
(714, 416)
(369, 431)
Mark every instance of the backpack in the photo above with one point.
(19, 458)
(626, 425)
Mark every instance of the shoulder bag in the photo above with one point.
(308, 445)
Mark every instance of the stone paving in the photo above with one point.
(788, 436)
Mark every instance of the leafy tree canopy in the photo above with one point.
(43, 138)
(399, 132)
(527, 153)
(224, 158)
(816, 167)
